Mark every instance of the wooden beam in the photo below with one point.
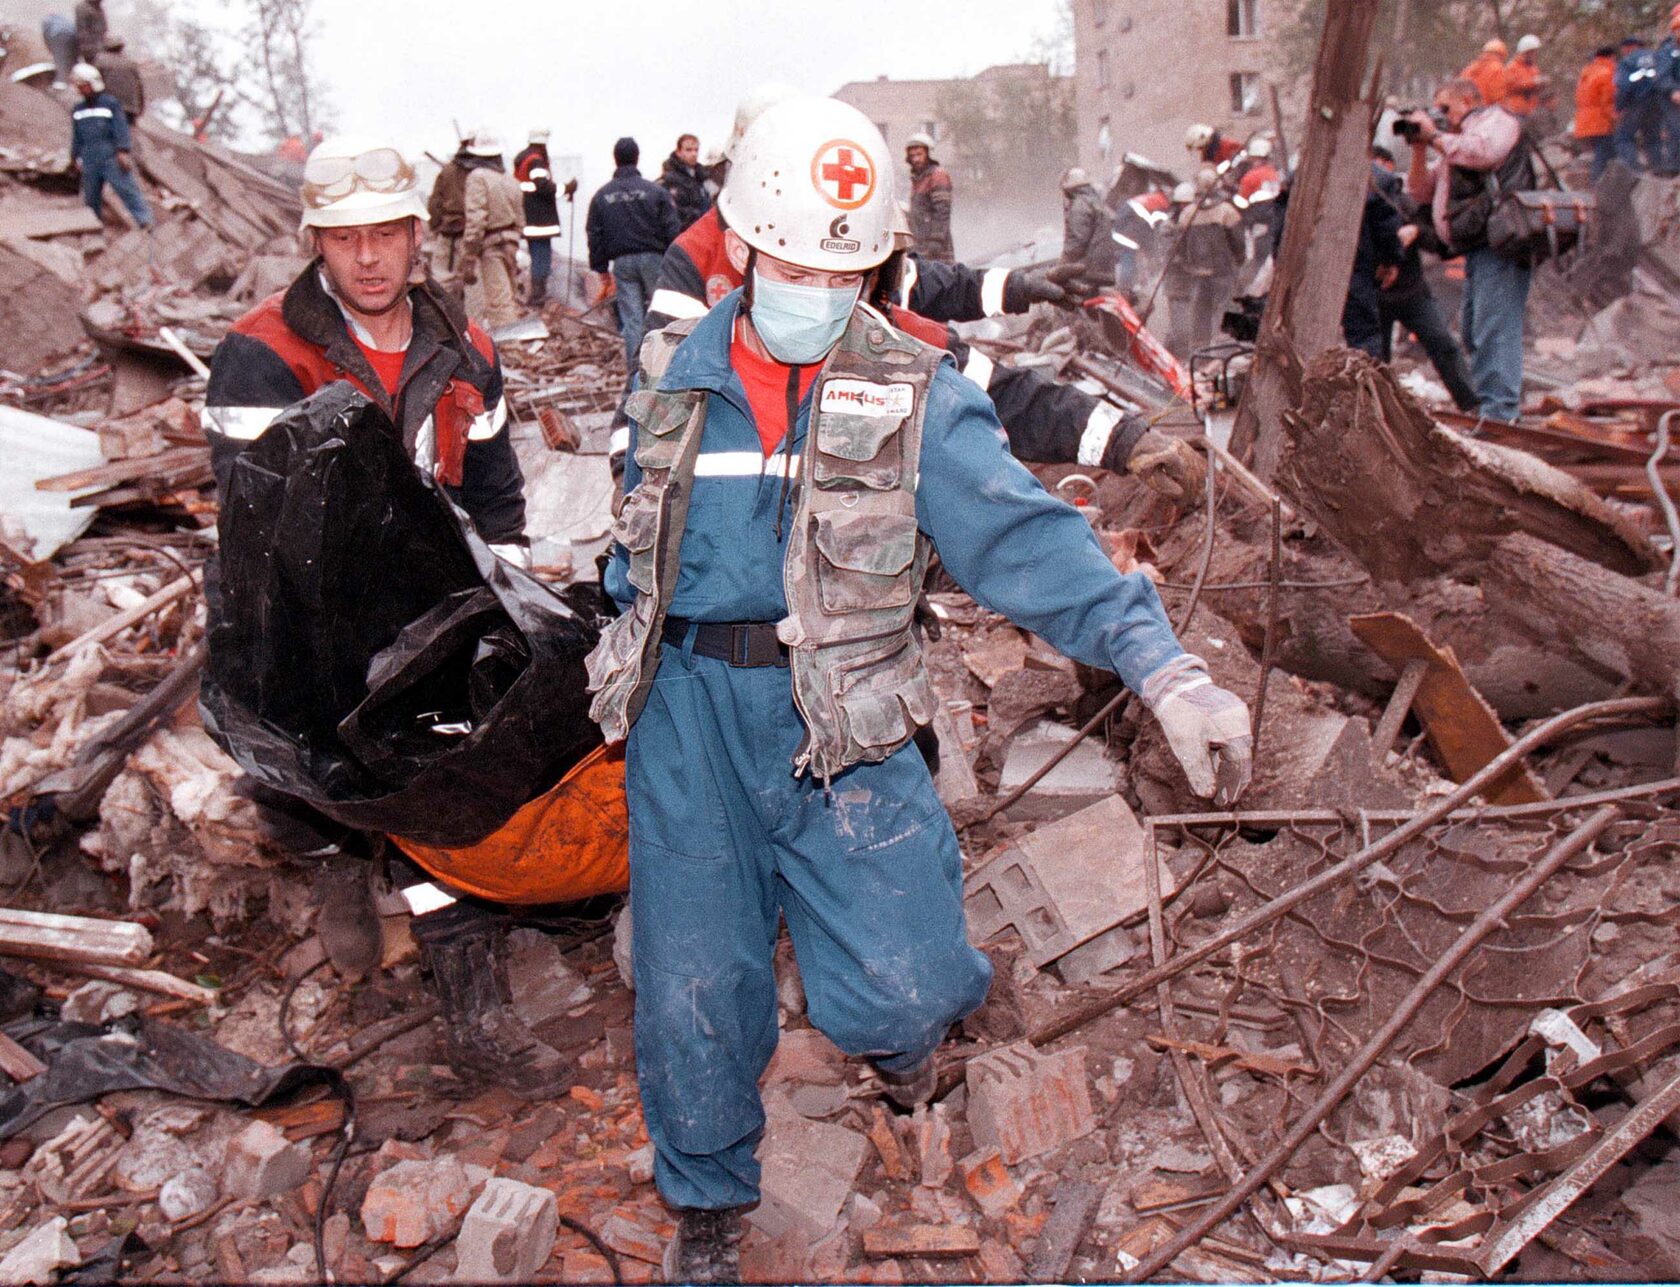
(47, 936)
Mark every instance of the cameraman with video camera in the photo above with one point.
(1483, 151)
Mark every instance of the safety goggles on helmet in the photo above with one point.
(327, 179)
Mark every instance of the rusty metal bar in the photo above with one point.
(1566, 1188)
(1333, 876)
(1544, 868)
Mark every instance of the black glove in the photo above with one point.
(1023, 288)
(570, 189)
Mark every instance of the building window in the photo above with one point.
(1105, 139)
(1102, 69)
(1245, 94)
(1099, 12)
(1241, 18)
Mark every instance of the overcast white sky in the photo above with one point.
(649, 68)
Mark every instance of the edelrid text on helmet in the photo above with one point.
(812, 185)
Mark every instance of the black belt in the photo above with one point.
(740, 643)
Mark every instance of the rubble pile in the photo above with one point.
(1414, 1007)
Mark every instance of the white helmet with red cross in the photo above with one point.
(812, 184)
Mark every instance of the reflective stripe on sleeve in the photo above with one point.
(674, 304)
(978, 368)
(82, 113)
(1099, 428)
(743, 464)
(243, 423)
(619, 442)
(527, 186)
(1125, 241)
(489, 424)
(907, 281)
(991, 291)
(533, 230)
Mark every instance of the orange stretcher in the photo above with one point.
(570, 843)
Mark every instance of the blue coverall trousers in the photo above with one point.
(1491, 322)
(100, 168)
(724, 842)
(635, 275)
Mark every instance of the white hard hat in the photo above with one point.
(1198, 136)
(88, 74)
(918, 139)
(753, 106)
(1074, 177)
(1260, 148)
(810, 184)
(1184, 194)
(484, 143)
(538, 135)
(1528, 44)
(1206, 177)
(352, 180)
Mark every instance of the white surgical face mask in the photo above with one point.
(800, 324)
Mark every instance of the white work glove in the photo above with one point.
(1206, 727)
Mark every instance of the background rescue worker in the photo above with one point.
(101, 147)
(1211, 146)
(1639, 104)
(58, 34)
(1525, 84)
(685, 179)
(1407, 298)
(1137, 235)
(630, 222)
(797, 460)
(91, 29)
(446, 212)
(490, 233)
(1668, 81)
(1087, 230)
(930, 201)
(1211, 246)
(542, 210)
(1595, 108)
(122, 79)
(1487, 70)
(354, 314)
(1478, 143)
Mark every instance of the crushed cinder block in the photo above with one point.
(414, 1202)
(809, 1168)
(1084, 777)
(989, 1182)
(263, 1163)
(933, 1144)
(39, 1257)
(1025, 1103)
(508, 1233)
(1065, 883)
(1107, 951)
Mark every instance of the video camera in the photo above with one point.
(1407, 129)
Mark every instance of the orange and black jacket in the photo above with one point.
(448, 409)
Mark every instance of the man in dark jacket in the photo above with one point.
(100, 146)
(630, 222)
(685, 179)
(1639, 106)
(446, 215)
(122, 79)
(1376, 263)
(91, 29)
(1087, 230)
(930, 201)
(542, 210)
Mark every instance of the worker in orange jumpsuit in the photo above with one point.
(1525, 84)
(1595, 108)
(1487, 69)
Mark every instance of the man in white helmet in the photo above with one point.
(1210, 145)
(930, 200)
(796, 461)
(490, 237)
(364, 312)
(1087, 230)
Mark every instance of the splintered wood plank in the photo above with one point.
(1462, 728)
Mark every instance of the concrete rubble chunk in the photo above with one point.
(543, 984)
(630, 1239)
(188, 1192)
(989, 1182)
(809, 1168)
(933, 1143)
(1026, 1103)
(263, 1163)
(1066, 883)
(414, 1202)
(39, 1257)
(508, 1233)
(1084, 777)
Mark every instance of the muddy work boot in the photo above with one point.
(706, 1247)
(463, 948)
(911, 1089)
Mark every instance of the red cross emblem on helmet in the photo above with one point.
(843, 173)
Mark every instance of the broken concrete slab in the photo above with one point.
(1085, 776)
(1026, 1103)
(989, 1182)
(543, 984)
(508, 1233)
(262, 1163)
(415, 1201)
(27, 216)
(809, 1168)
(37, 314)
(1065, 883)
(39, 1257)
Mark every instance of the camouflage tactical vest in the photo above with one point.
(855, 560)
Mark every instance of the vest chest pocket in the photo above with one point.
(858, 451)
(657, 418)
(865, 560)
(636, 528)
(885, 701)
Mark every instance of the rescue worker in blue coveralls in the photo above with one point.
(796, 460)
(101, 148)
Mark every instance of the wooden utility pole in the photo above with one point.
(1304, 310)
